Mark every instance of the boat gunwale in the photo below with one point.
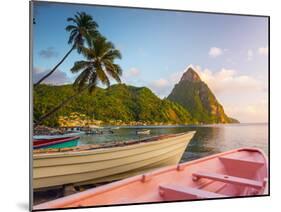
(107, 149)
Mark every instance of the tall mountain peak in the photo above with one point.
(190, 75)
(198, 99)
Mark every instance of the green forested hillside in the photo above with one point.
(118, 102)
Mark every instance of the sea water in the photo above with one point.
(208, 140)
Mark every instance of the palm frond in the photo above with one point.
(80, 65)
(72, 36)
(89, 53)
(118, 69)
(78, 18)
(112, 54)
(82, 80)
(72, 20)
(114, 75)
(91, 36)
(113, 70)
(102, 76)
(70, 27)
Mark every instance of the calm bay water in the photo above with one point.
(208, 140)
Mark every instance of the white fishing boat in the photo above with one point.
(143, 132)
(95, 163)
(115, 128)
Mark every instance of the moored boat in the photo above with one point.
(63, 142)
(239, 172)
(95, 163)
(115, 128)
(143, 132)
(58, 136)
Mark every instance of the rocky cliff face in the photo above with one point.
(197, 98)
(190, 75)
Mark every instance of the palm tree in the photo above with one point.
(83, 28)
(98, 67)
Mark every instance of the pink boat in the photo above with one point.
(235, 173)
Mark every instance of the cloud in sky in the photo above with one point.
(161, 87)
(133, 76)
(132, 72)
(250, 54)
(228, 81)
(256, 111)
(161, 83)
(215, 52)
(142, 52)
(57, 78)
(48, 53)
(263, 51)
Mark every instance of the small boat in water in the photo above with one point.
(239, 172)
(115, 128)
(143, 132)
(58, 136)
(58, 142)
(105, 163)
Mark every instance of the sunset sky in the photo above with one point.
(230, 53)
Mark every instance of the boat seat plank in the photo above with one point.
(228, 179)
(242, 161)
(176, 192)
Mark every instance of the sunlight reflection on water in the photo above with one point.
(208, 140)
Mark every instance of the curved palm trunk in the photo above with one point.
(54, 110)
(47, 75)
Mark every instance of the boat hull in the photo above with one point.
(239, 172)
(143, 132)
(55, 143)
(66, 135)
(103, 165)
